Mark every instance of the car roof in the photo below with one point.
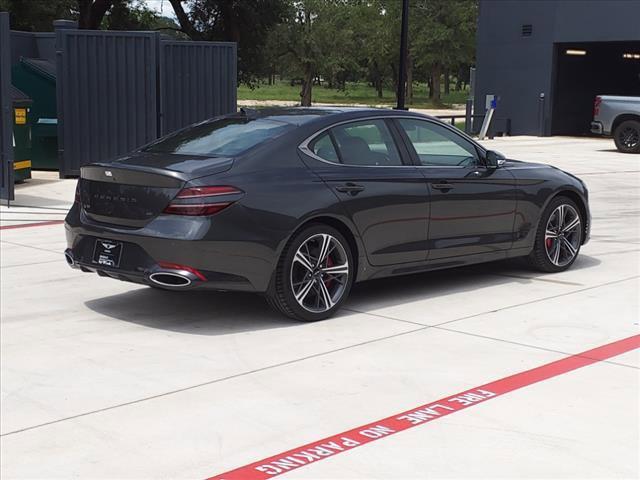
(304, 115)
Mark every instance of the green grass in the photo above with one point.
(354, 93)
(459, 124)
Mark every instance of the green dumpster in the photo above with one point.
(37, 79)
(21, 135)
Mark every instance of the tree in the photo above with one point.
(375, 43)
(444, 38)
(136, 15)
(38, 15)
(246, 22)
(91, 13)
(318, 42)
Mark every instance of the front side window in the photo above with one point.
(367, 142)
(224, 137)
(437, 145)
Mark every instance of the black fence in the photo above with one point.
(106, 88)
(115, 91)
(197, 81)
(6, 111)
(119, 90)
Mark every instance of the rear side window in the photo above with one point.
(367, 142)
(323, 148)
(225, 137)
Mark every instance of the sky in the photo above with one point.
(161, 6)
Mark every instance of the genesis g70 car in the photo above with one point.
(298, 204)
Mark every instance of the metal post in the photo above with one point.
(467, 116)
(6, 112)
(402, 74)
(59, 26)
(468, 125)
(541, 100)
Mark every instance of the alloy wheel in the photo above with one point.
(562, 235)
(319, 273)
(629, 137)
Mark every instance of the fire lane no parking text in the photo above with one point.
(348, 440)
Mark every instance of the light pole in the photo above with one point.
(402, 74)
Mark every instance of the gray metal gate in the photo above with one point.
(106, 92)
(6, 108)
(197, 81)
(119, 90)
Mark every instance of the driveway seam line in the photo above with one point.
(290, 362)
(439, 326)
(502, 340)
(551, 350)
(28, 264)
(30, 246)
(211, 382)
(508, 307)
(546, 280)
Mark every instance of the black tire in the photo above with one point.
(281, 295)
(539, 258)
(627, 136)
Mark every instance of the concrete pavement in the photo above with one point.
(104, 379)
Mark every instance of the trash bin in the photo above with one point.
(21, 135)
(37, 79)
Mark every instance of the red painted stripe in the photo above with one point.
(37, 224)
(342, 442)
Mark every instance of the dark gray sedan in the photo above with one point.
(298, 204)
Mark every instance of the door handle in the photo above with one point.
(442, 186)
(351, 188)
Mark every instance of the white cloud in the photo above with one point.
(163, 7)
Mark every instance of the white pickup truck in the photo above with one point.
(620, 118)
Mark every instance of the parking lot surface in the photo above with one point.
(104, 379)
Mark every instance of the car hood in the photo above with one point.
(518, 165)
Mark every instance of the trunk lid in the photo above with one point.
(134, 189)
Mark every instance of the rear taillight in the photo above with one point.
(596, 106)
(203, 200)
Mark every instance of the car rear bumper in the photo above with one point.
(597, 128)
(147, 254)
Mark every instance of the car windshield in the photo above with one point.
(225, 137)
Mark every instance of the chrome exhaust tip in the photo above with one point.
(69, 258)
(170, 279)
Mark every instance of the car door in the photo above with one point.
(472, 206)
(384, 195)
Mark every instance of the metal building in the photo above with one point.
(547, 60)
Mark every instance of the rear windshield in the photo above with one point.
(225, 137)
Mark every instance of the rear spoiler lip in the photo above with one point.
(149, 176)
(133, 175)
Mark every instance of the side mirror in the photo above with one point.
(494, 159)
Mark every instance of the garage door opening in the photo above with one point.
(585, 70)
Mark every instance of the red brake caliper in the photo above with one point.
(549, 243)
